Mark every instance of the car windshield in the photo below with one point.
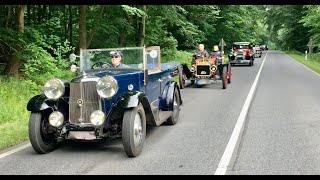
(241, 46)
(132, 58)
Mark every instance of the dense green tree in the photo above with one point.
(57, 30)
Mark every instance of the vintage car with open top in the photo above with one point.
(104, 103)
(205, 70)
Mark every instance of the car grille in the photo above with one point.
(203, 70)
(85, 91)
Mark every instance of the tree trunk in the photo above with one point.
(8, 17)
(82, 26)
(20, 18)
(49, 12)
(39, 13)
(142, 27)
(94, 28)
(34, 17)
(28, 14)
(14, 63)
(44, 12)
(64, 26)
(123, 35)
(70, 25)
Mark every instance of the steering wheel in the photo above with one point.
(99, 64)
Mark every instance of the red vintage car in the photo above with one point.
(241, 53)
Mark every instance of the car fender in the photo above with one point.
(39, 103)
(132, 99)
(186, 71)
(168, 94)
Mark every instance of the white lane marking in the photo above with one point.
(14, 150)
(303, 64)
(226, 157)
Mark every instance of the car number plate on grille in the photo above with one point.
(84, 135)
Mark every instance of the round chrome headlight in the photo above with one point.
(192, 68)
(56, 119)
(97, 117)
(107, 87)
(54, 88)
(213, 68)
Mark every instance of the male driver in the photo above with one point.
(115, 60)
(200, 53)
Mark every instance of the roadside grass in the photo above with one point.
(14, 97)
(14, 117)
(313, 62)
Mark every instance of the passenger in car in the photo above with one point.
(115, 60)
(218, 55)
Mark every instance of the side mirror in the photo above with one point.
(72, 57)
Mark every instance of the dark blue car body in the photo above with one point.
(144, 96)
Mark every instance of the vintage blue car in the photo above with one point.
(105, 102)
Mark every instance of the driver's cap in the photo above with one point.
(115, 53)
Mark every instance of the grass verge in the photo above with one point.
(312, 63)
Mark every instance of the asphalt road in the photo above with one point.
(281, 134)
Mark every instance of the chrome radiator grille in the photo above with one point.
(85, 92)
(203, 70)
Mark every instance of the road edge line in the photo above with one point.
(14, 150)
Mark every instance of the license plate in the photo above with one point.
(244, 61)
(82, 135)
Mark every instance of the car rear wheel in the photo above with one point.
(41, 139)
(224, 77)
(173, 119)
(134, 130)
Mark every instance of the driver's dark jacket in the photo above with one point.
(204, 53)
(217, 54)
(121, 65)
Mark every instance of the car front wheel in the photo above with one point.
(182, 80)
(42, 140)
(134, 130)
(224, 77)
(229, 73)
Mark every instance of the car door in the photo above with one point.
(153, 88)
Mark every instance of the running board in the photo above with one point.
(161, 116)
